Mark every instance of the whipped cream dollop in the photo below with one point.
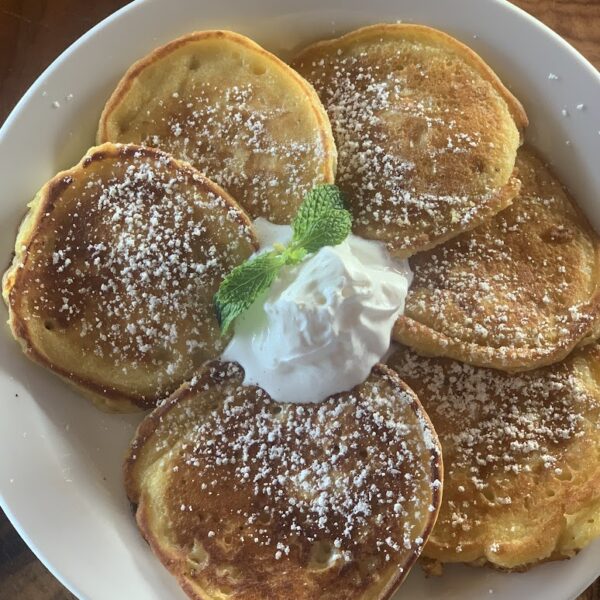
(324, 323)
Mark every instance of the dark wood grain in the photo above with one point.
(578, 21)
(32, 34)
(22, 576)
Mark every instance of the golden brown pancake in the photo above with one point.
(244, 498)
(116, 265)
(426, 133)
(519, 292)
(234, 111)
(521, 455)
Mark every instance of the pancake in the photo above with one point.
(235, 112)
(426, 133)
(519, 292)
(521, 455)
(116, 265)
(244, 498)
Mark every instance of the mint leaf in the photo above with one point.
(322, 219)
(243, 285)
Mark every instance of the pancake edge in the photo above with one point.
(583, 504)
(430, 342)
(329, 162)
(502, 196)
(109, 400)
(424, 32)
(172, 559)
(502, 199)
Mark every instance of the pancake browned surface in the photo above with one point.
(115, 268)
(244, 498)
(521, 455)
(234, 111)
(519, 292)
(426, 133)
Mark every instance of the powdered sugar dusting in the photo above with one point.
(406, 149)
(267, 153)
(138, 246)
(497, 430)
(520, 281)
(354, 470)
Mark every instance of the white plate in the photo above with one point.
(60, 459)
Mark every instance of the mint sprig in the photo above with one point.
(322, 220)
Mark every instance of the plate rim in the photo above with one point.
(72, 48)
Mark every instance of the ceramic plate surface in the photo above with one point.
(60, 459)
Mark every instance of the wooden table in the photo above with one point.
(32, 34)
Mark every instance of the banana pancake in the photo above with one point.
(519, 292)
(426, 133)
(521, 455)
(116, 265)
(244, 498)
(235, 112)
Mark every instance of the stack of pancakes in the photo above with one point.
(497, 368)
